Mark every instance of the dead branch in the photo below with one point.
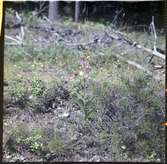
(22, 33)
(116, 16)
(153, 31)
(12, 44)
(15, 42)
(41, 10)
(158, 66)
(150, 51)
(138, 66)
(122, 36)
(19, 40)
(13, 39)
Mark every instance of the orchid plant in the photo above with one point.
(79, 92)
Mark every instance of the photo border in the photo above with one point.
(2, 78)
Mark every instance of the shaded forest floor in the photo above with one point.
(69, 97)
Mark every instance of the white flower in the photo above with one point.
(31, 97)
(123, 147)
(81, 73)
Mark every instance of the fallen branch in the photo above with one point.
(158, 66)
(122, 36)
(156, 53)
(19, 40)
(12, 44)
(13, 39)
(138, 66)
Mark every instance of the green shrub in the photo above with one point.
(19, 95)
(23, 138)
(32, 142)
(38, 87)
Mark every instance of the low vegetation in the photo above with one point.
(80, 105)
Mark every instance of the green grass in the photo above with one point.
(110, 84)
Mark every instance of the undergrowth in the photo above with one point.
(120, 104)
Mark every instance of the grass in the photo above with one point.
(56, 144)
(111, 88)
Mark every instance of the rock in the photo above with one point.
(8, 156)
(75, 137)
(95, 158)
(65, 114)
(21, 158)
(79, 158)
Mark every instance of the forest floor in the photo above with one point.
(69, 97)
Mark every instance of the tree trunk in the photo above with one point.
(54, 11)
(77, 11)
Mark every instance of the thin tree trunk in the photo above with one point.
(53, 13)
(77, 11)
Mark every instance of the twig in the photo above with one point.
(13, 39)
(19, 40)
(22, 32)
(153, 30)
(12, 44)
(42, 8)
(41, 5)
(116, 16)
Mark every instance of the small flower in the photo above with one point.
(123, 147)
(87, 66)
(82, 61)
(31, 97)
(81, 73)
